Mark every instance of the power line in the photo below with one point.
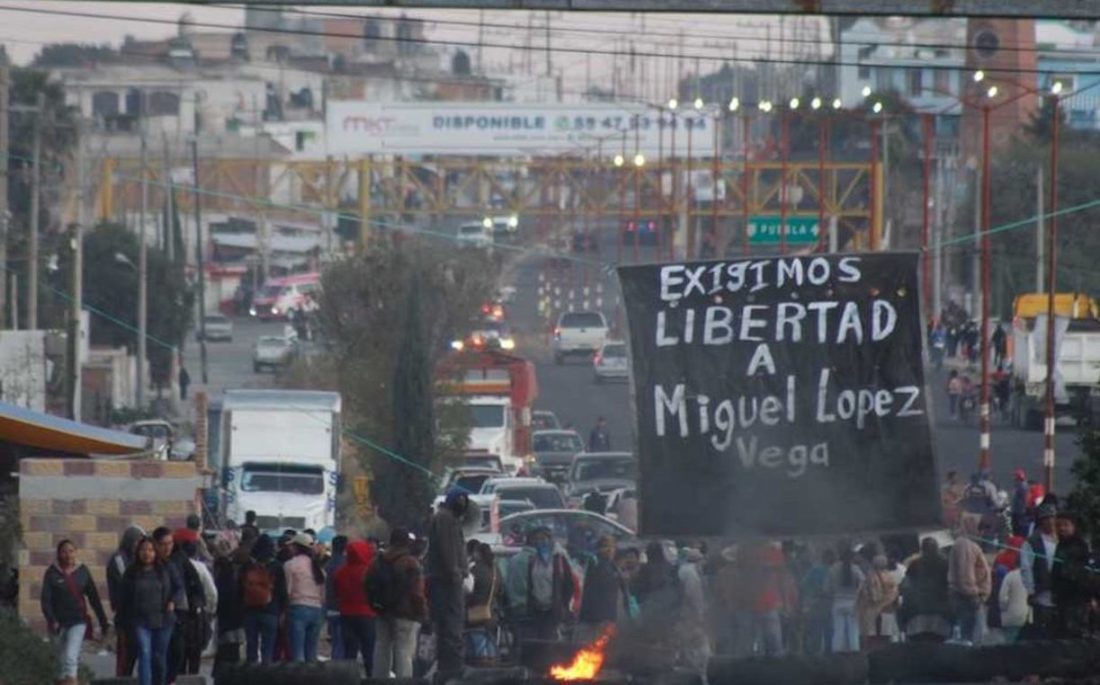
(870, 41)
(571, 50)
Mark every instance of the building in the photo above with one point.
(1068, 54)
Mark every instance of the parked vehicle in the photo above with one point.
(506, 226)
(218, 328)
(611, 362)
(280, 296)
(579, 333)
(161, 435)
(554, 451)
(544, 419)
(273, 352)
(469, 478)
(280, 457)
(497, 389)
(474, 234)
(1078, 362)
(537, 491)
(601, 472)
(577, 530)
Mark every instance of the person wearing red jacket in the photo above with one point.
(356, 615)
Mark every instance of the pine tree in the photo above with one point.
(1084, 500)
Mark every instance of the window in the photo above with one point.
(161, 103)
(941, 80)
(598, 469)
(916, 81)
(486, 416)
(105, 103)
(299, 480)
(614, 352)
(582, 320)
(864, 72)
(558, 443)
(546, 497)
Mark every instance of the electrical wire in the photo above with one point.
(533, 48)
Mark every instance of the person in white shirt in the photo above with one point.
(1015, 611)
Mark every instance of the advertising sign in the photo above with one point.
(505, 129)
(780, 396)
(800, 230)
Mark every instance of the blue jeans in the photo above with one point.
(259, 633)
(305, 631)
(845, 626)
(336, 636)
(152, 644)
(69, 641)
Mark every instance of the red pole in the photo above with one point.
(689, 249)
(821, 143)
(784, 144)
(745, 184)
(873, 185)
(926, 257)
(1052, 284)
(637, 190)
(715, 170)
(985, 458)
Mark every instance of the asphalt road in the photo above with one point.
(229, 364)
(570, 390)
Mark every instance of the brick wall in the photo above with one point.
(91, 502)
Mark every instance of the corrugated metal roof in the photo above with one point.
(47, 432)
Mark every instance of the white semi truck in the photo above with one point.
(1078, 362)
(280, 457)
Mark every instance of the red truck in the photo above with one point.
(498, 389)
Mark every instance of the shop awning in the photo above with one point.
(54, 434)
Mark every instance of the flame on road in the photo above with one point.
(588, 661)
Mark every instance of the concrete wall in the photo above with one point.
(91, 502)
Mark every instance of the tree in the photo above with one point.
(111, 291)
(57, 55)
(1084, 499)
(58, 138)
(387, 316)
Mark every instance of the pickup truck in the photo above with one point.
(579, 333)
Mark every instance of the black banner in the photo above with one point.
(780, 396)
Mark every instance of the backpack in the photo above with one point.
(381, 585)
(258, 586)
(192, 585)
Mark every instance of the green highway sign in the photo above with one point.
(800, 230)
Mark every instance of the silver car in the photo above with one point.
(273, 352)
(217, 326)
(611, 362)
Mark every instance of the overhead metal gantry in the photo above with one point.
(577, 193)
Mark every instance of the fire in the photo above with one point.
(588, 661)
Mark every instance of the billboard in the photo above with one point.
(780, 396)
(355, 127)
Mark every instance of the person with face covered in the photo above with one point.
(447, 568)
(605, 594)
(1070, 580)
(550, 587)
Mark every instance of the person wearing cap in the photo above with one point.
(446, 570)
(1037, 566)
(305, 585)
(194, 523)
(1070, 580)
(1020, 522)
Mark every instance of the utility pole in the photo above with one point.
(170, 193)
(4, 214)
(36, 192)
(549, 65)
(199, 259)
(75, 327)
(143, 275)
(1039, 230)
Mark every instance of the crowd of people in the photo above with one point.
(274, 598)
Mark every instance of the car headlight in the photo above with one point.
(252, 311)
(513, 221)
(507, 344)
(457, 345)
(275, 310)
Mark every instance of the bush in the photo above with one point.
(25, 658)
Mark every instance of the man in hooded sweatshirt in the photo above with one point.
(357, 618)
(125, 654)
(970, 581)
(446, 571)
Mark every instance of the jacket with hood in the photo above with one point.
(412, 605)
(1071, 576)
(349, 580)
(118, 563)
(336, 561)
(446, 561)
(59, 604)
(968, 571)
(263, 554)
(604, 592)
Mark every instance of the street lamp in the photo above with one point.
(639, 160)
(837, 104)
(698, 103)
(866, 91)
(992, 92)
(735, 104)
(877, 108)
(673, 103)
(979, 76)
(124, 260)
(794, 103)
(815, 104)
(619, 160)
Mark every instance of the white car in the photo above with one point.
(475, 234)
(579, 333)
(611, 362)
